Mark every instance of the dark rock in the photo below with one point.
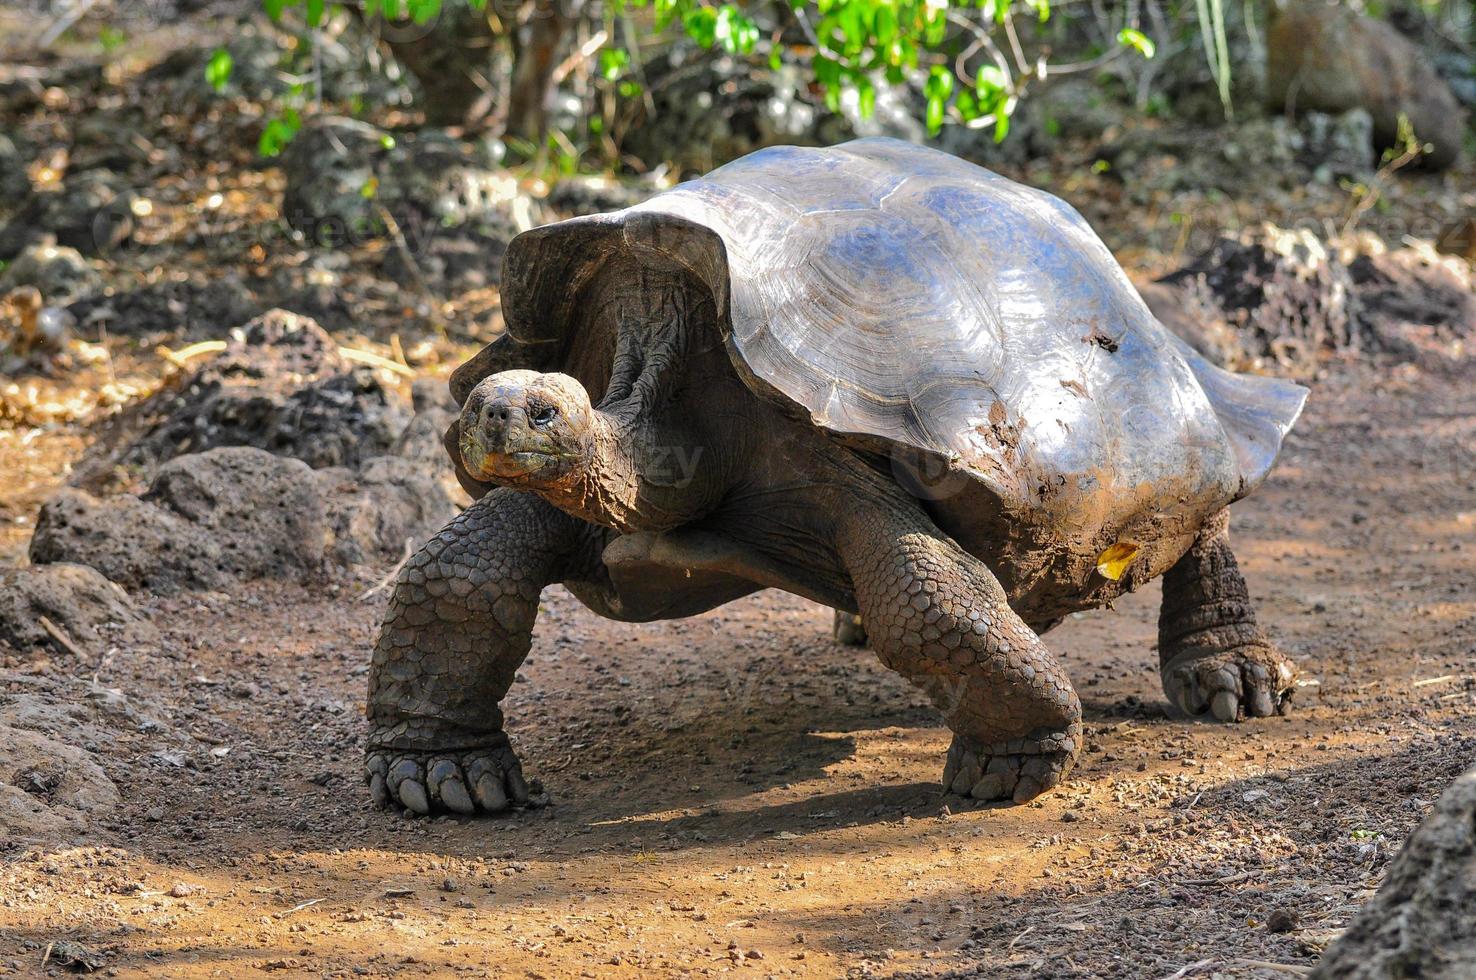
(207, 520)
(572, 197)
(91, 211)
(349, 182)
(1281, 920)
(60, 273)
(281, 385)
(1282, 297)
(48, 788)
(387, 504)
(213, 518)
(451, 261)
(1419, 922)
(1338, 145)
(90, 611)
(1328, 58)
(1272, 296)
(1417, 303)
(14, 184)
(711, 108)
(265, 60)
(196, 310)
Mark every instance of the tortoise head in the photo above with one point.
(528, 430)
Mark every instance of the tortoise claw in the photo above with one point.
(477, 781)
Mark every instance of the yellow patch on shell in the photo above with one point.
(1115, 560)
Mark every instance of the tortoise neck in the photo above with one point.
(632, 481)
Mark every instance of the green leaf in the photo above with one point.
(939, 84)
(278, 133)
(1001, 123)
(1138, 41)
(934, 116)
(313, 13)
(218, 69)
(991, 84)
(734, 31)
(613, 62)
(967, 106)
(866, 95)
(423, 11)
(701, 25)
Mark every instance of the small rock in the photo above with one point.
(1282, 920)
(154, 814)
(181, 890)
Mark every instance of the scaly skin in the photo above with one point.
(938, 616)
(458, 626)
(1213, 657)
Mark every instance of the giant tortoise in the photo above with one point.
(872, 375)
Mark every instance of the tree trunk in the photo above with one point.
(536, 47)
(451, 58)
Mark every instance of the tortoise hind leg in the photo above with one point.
(938, 616)
(1212, 656)
(849, 631)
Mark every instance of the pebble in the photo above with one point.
(1282, 920)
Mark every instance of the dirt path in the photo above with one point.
(735, 792)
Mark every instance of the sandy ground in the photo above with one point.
(737, 793)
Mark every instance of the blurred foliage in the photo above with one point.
(969, 59)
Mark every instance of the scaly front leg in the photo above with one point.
(458, 627)
(938, 616)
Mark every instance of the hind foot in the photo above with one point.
(1019, 770)
(1251, 681)
(848, 630)
(466, 781)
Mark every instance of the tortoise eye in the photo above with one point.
(544, 414)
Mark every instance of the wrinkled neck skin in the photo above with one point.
(649, 470)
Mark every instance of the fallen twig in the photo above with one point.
(1184, 971)
(1226, 880)
(55, 632)
(375, 360)
(298, 907)
(64, 23)
(180, 358)
(1296, 971)
(392, 574)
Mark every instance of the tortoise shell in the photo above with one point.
(974, 329)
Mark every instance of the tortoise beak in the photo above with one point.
(500, 444)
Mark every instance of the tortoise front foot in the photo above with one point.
(1250, 681)
(1019, 770)
(465, 781)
